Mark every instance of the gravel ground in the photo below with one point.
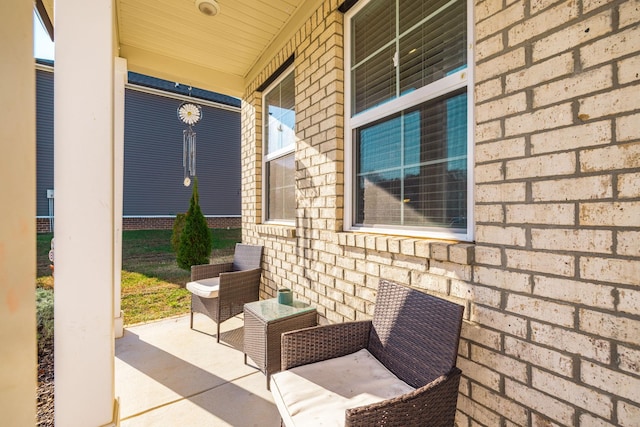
(45, 388)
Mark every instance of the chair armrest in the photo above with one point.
(206, 271)
(318, 343)
(433, 404)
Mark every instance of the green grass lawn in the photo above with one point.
(152, 283)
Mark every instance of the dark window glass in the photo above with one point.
(281, 203)
(411, 168)
(279, 134)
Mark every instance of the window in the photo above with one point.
(408, 108)
(279, 146)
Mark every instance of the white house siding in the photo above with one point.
(551, 285)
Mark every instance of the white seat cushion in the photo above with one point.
(205, 288)
(318, 394)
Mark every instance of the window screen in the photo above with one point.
(398, 47)
(409, 157)
(279, 144)
(411, 167)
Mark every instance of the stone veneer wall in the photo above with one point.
(551, 286)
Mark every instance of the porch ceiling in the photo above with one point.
(172, 40)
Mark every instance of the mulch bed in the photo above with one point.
(45, 409)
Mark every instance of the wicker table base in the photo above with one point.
(264, 323)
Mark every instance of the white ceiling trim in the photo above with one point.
(173, 70)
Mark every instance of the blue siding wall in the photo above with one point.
(153, 171)
(44, 138)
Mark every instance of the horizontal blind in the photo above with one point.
(411, 167)
(400, 47)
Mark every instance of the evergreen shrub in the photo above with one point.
(195, 239)
(178, 226)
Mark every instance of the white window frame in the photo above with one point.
(448, 84)
(266, 158)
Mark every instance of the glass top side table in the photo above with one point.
(264, 323)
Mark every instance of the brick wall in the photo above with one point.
(554, 98)
(43, 224)
(167, 223)
(551, 286)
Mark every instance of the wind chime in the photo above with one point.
(190, 114)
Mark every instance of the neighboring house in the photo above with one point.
(502, 173)
(153, 174)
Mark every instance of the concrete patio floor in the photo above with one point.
(169, 375)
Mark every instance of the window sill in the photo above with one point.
(276, 230)
(439, 250)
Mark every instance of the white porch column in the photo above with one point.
(120, 79)
(17, 213)
(85, 223)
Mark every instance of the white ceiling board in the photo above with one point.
(172, 38)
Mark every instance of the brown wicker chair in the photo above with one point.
(220, 291)
(414, 335)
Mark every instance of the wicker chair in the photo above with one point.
(331, 373)
(220, 291)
